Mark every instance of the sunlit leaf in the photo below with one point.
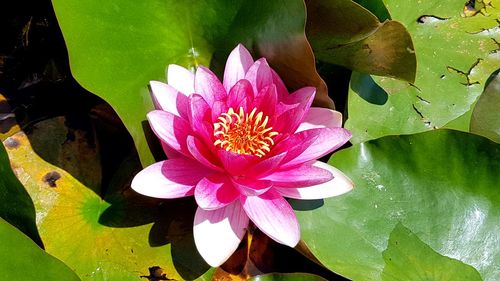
(22, 259)
(16, 207)
(455, 56)
(442, 185)
(120, 237)
(408, 258)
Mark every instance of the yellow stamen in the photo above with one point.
(244, 133)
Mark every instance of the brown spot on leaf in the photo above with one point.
(11, 143)
(367, 48)
(156, 274)
(51, 178)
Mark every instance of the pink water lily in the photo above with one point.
(240, 147)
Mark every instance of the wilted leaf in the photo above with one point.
(74, 150)
(344, 33)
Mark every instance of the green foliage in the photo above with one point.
(454, 59)
(118, 237)
(425, 206)
(286, 277)
(486, 116)
(377, 7)
(439, 184)
(22, 259)
(16, 207)
(115, 49)
(408, 258)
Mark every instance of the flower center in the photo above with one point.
(244, 133)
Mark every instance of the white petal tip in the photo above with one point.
(218, 233)
(291, 242)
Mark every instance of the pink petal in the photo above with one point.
(241, 95)
(280, 86)
(303, 175)
(171, 129)
(266, 166)
(171, 178)
(250, 186)
(325, 141)
(219, 107)
(201, 153)
(290, 120)
(236, 164)
(266, 100)
(214, 192)
(170, 152)
(340, 184)
(169, 99)
(208, 85)
(318, 117)
(302, 95)
(259, 75)
(237, 65)
(200, 117)
(272, 214)
(283, 107)
(180, 78)
(218, 233)
(294, 145)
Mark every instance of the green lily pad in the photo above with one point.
(22, 259)
(17, 207)
(344, 33)
(119, 237)
(455, 56)
(377, 7)
(287, 277)
(442, 185)
(408, 258)
(116, 49)
(486, 116)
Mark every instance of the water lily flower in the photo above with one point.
(240, 146)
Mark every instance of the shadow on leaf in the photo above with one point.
(367, 89)
(174, 225)
(306, 205)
